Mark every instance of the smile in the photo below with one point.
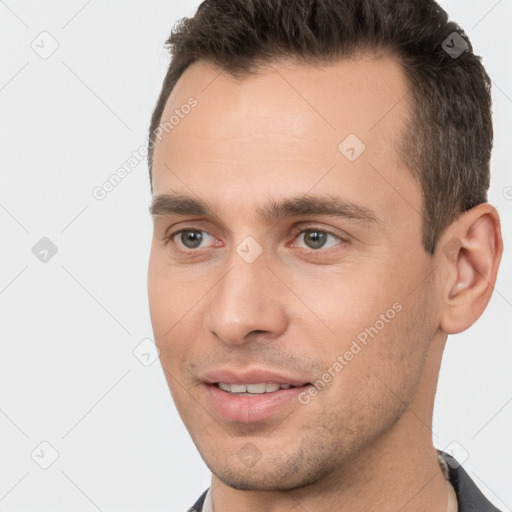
(252, 389)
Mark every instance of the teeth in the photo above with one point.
(238, 388)
(255, 389)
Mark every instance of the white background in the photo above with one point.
(68, 327)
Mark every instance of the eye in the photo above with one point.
(313, 238)
(190, 238)
(316, 238)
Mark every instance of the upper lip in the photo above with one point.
(249, 376)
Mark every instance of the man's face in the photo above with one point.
(241, 298)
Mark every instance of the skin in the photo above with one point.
(364, 442)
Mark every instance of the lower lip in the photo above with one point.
(250, 409)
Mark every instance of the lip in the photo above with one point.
(252, 376)
(255, 408)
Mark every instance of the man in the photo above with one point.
(319, 175)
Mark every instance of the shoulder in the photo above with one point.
(198, 505)
(469, 496)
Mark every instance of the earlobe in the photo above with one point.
(470, 254)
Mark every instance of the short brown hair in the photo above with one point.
(448, 142)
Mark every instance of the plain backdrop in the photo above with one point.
(72, 373)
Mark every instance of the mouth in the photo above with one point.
(252, 394)
(255, 402)
(252, 389)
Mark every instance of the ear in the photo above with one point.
(469, 254)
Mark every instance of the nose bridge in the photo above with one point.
(245, 299)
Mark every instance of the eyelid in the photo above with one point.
(300, 229)
(168, 237)
(323, 251)
(200, 224)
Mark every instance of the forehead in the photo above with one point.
(284, 128)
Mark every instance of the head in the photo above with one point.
(320, 219)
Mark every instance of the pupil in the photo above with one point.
(191, 239)
(316, 238)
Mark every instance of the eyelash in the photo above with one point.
(296, 233)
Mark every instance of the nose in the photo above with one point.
(248, 299)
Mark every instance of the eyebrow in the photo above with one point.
(329, 205)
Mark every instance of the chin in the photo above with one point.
(275, 475)
(242, 481)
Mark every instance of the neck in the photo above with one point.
(397, 472)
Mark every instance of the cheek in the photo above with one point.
(169, 302)
(171, 292)
(391, 360)
(375, 324)
(160, 301)
(352, 305)
(177, 304)
(375, 381)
